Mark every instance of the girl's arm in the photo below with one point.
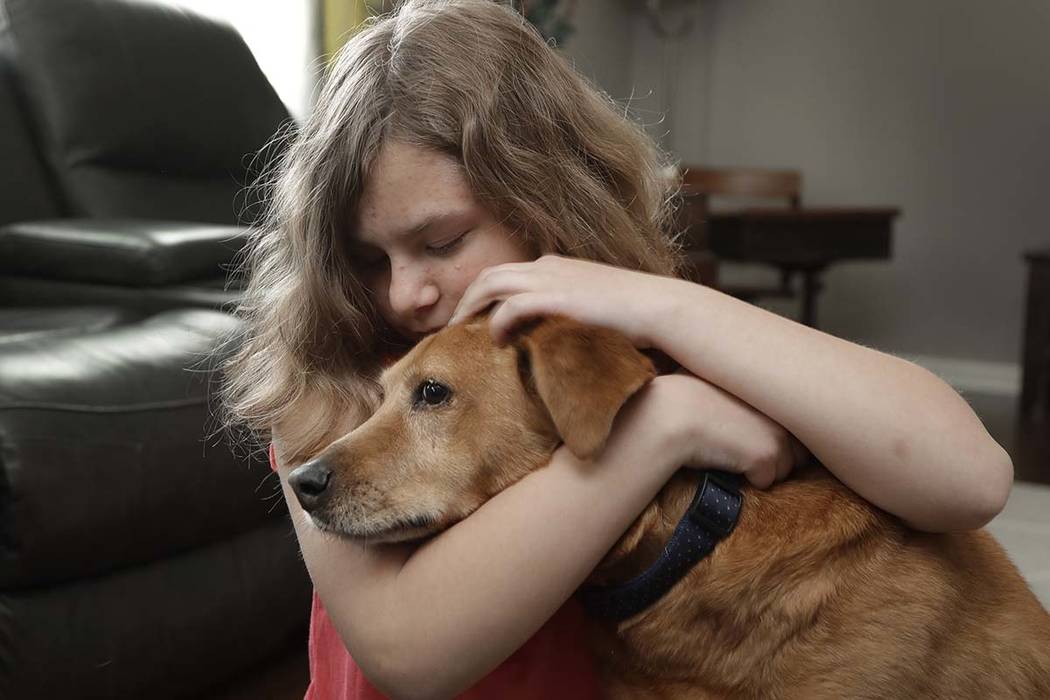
(893, 432)
(890, 430)
(430, 622)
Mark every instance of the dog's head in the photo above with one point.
(462, 419)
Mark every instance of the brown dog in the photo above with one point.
(815, 594)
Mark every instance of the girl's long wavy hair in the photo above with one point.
(553, 158)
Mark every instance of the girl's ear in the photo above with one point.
(583, 375)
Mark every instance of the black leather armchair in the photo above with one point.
(139, 557)
(143, 118)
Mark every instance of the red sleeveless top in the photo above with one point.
(553, 664)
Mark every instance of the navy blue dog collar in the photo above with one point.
(711, 516)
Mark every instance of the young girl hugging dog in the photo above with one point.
(455, 162)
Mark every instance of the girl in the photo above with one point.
(455, 161)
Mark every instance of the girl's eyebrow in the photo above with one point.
(434, 219)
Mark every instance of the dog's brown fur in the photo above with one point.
(816, 594)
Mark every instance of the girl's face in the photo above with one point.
(422, 238)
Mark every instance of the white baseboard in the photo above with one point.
(973, 376)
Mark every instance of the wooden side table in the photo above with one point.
(1033, 421)
(802, 241)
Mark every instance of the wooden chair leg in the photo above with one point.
(812, 284)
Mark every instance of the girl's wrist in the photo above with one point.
(670, 427)
(671, 300)
(642, 434)
(687, 323)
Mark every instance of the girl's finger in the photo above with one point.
(492, 284)
(763, 476)
(518, 308)
(786, 463)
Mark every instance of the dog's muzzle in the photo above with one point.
(310, 484)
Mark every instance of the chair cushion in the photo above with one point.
(146, 110)
(109, 452)
(33, 291)
(21, 325)
(133, 253)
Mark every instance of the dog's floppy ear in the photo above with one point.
(583, 375)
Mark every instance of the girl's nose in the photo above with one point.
(411, 290)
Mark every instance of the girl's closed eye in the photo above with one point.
(447, 247)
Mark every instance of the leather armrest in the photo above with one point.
(125, 252)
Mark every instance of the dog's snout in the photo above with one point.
(310, 484)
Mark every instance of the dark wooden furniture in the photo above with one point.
(702, 188)
(1032, 461)
(751, 183)
(802, 241)
(797, 241)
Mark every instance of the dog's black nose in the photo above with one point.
(310, 483)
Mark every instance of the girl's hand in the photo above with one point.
(589, 292)
(712, 429)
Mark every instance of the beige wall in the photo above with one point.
(600, 48)
(939, 107)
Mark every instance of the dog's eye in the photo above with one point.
(432, 393)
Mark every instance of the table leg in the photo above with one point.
(812, 284)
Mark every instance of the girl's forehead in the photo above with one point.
(408, 189)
